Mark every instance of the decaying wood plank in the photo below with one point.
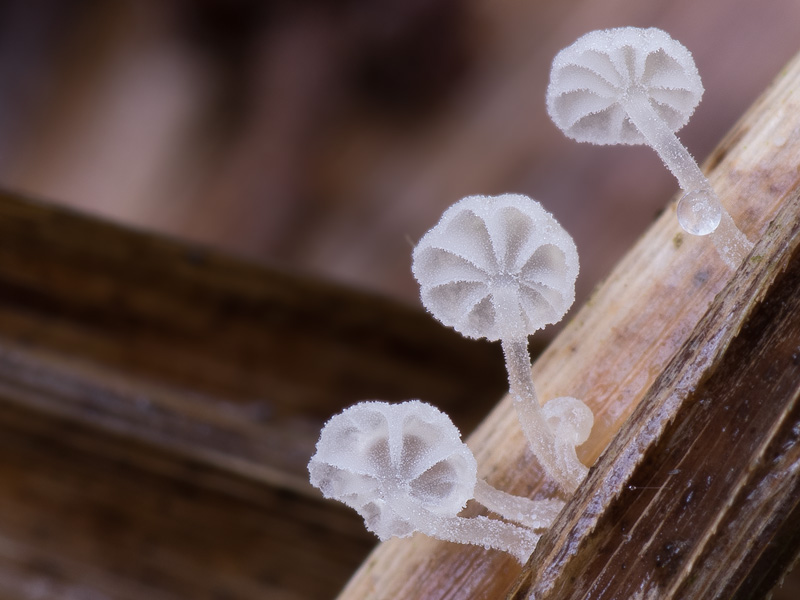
(169, 339)
(610, 355)
(688, 498)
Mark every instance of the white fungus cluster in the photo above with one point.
(502, 268)
(496, 267)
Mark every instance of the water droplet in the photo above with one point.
(699, 213)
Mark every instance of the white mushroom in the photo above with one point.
(404, 468)
(571, 422)
(639, 86)
(502, 268)
(497, 268)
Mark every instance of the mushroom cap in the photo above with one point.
(591, 79)
(496, 262)
(569, 419)
(391, 461)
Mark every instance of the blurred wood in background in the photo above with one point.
(328, 136)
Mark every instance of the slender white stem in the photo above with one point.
(730, 242)
(562, 466)
(509, 313)
(664, 141)
(480, 531)
(536, 514)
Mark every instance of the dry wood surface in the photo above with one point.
(698, 496)
(613, 354)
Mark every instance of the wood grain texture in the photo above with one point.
(612, 352)
(688, 500)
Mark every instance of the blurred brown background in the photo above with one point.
(325, 137)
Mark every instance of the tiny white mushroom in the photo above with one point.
(571, 421)
(404, 468)
(502, 268)
(639, 86)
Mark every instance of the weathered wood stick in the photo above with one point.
(610, 355)
(698, 496)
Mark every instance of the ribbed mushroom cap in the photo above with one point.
(391, 462)
(591, 80)
(494, 265)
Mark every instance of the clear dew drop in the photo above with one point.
(699, 212)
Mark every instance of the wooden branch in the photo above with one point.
(704, 478)
(648, 316)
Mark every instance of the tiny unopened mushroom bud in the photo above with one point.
(404, 468)
(502, 268)
(569, 418)
(571, 422)
(639, 86)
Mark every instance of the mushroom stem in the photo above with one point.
(562, 466)
(535, 514)
(480, 531)
(509, 313)
(731, 244)
(664, 141)
(699, 211)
